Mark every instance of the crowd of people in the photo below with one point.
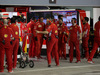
(56, 35)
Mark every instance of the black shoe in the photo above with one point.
(49, 65)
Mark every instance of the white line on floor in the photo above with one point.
(47, 69)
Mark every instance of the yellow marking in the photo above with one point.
(16, 33)
(56, 31)
(5, 35)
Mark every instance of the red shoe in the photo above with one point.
(78, 62)
(11, 71)
(90, 62)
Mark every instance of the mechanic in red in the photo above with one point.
(52, 42)
(96, 40)
(40, 26)
(15, 29)
(31, 29)
(63, 35)
(6, 46)
(75, 37)
(85, 36)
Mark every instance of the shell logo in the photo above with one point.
(16, 33)
(5, 35)
(29, 28)
(56, 31)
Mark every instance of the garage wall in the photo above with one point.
(46, 2)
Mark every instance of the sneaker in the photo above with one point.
(49, 65)
(57, 65)
(10, 71)
(78, 62)
(14, 67)
(90, 62)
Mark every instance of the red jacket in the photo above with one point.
(30, 26)
(61, 30)
(74, 31)
(97, 31)
(54, 30)
(40, 27)
(15, 30)
(86, 28)
(6, 34)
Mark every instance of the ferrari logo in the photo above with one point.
(29, 28)
(60, 32)
(39, 26)
(5, 35)
(14, 25)
(56, 31)
(16, 33)
(75, 26)
(63, 26)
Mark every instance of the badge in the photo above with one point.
(71, 28)
(94, 29)
(75, 26)
(63, 26)
(14, 25)
(30, 22)
(5, 35)
(16, 33)
(56, 31)
(39, 26)
(29, 28)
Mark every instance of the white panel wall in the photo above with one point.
(96, 14)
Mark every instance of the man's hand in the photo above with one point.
(37, 31)
(80, 41)
(12, 38)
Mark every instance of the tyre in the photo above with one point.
(31, 64)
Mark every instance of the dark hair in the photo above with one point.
(74, 19)
(60, 19)
(8, 17)
(52, 17)
(99, 18)
(59, 16)
(40, 17)
(33, 18)
(12, 20)
(86, 19)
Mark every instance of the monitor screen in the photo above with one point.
(67, 16)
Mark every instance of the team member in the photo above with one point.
(52, 42)
(96, 40)
(63, 34)
(59, 17)
(15, 29)
(31, 29)
(74, 40)
(40, 26)
(5, 46)
(85, 36)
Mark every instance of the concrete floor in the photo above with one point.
(65, 68)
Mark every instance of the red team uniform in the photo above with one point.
(74, 42)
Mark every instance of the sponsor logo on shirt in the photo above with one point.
(16, 33)
(5, 35)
